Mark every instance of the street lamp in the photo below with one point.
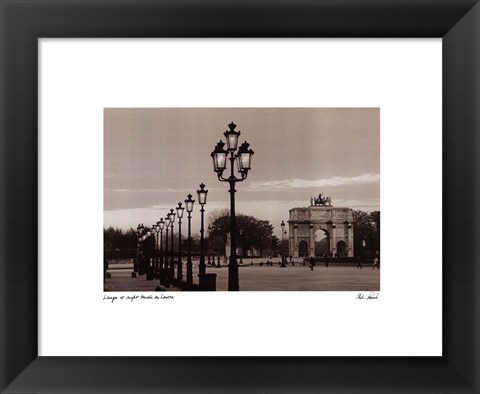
(243, 157)
(157, 232)
(166, 271)
(202, 200)
(216, 247)
(209, 245)
(149, 251)
(189, 206)
(171, 216)
(160, 226)
(180, 210)
(136, 265)
(283, 243)
(155, 247)
(241, 246)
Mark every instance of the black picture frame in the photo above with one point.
(457, 22)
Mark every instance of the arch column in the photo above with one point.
(334, 241)
(329, 238)
(350, 241)
(290, 240)
(295, 241)
(311, 246)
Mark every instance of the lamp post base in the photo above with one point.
(233, 275)
(207, 282)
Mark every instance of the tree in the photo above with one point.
(376, 219)
(366, 227)
(250, 231)
(217, 214)
(115, 238)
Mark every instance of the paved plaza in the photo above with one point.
(262, 278)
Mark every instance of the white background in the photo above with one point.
(78, 78)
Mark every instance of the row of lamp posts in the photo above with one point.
(165, 266)
(240, 158)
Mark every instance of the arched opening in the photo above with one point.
(341, 249)
(322, 243)
(303, 249)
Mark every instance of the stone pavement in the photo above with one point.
(301, 278)
(264, 278)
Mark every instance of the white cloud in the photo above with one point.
(274, 211)
(146, 190)
(167, 190)
(304, 184)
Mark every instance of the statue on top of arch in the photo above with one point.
(321, 201)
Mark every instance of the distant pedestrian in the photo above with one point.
(376, 263)
(359, 262)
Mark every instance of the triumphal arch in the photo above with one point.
(335, 222)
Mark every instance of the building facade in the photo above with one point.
(335, 223)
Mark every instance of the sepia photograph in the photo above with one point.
(241, 199)
(246, 149)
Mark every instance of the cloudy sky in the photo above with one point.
(155, 157)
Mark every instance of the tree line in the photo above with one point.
(252, 234)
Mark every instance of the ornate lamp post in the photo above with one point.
(166, 271)
(189, 205)
(209, 244)
(153, 230)
(171, 273)
(180, 210)
(243, 156)
(283, 244)
(202, 200)
(149, 254)
(157, 232)
(141, 266)
(160, 225)
(214, 229)
(136, 265)
(208, 248)
(241, 245)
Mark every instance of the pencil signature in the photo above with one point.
(373, 295)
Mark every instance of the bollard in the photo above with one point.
(150, 273)
(208, 282)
